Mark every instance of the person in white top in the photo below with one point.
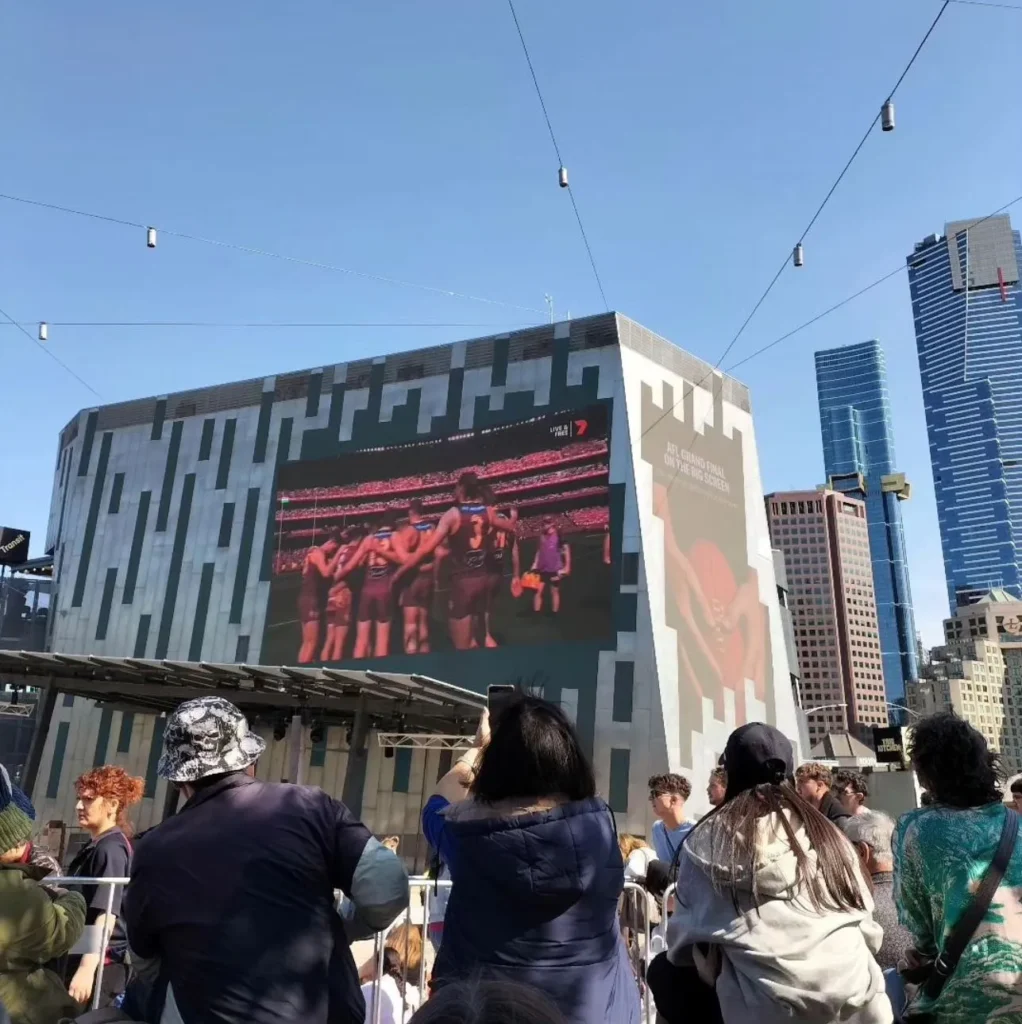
(388, 988)
(774, 919)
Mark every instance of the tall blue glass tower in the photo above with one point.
(858, 455)
(967, 306)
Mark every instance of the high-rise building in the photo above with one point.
(825, 540)
(195, 527)
(858, 457)
(977, 673)
(967, 306)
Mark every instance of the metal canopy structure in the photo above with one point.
(405, 703)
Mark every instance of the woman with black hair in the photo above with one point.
(773, 912)
(535, 868)
(940, 853)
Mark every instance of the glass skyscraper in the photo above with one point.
(858, 455)
(967, 306)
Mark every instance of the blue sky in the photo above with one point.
(405, 140)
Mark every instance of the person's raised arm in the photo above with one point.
(509, 524)
(453, 788)
(443, 528)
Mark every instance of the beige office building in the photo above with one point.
(977, 674)
(823, 536)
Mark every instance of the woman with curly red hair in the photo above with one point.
(104, 796)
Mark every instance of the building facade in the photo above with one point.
(24, 617)
(184, 527)
(825, 540)
(977, 673)
(967, 307)
(858, 458)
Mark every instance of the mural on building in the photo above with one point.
(712, 592)
(491, 537)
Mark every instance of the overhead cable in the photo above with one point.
(263, 324)
(844, 302)
(833, 187)
(265, 252)
(561, 170)
(787, 256)
(60, 362)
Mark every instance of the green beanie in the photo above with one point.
(15, 825)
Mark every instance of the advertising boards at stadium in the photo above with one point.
(486, 538)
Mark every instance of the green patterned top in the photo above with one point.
(940, 856)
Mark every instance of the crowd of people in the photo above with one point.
(792, 899)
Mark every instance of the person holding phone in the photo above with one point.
(535, 866)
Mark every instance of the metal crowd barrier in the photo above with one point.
(636, 898)
(94, 939)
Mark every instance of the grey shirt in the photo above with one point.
(896, 938)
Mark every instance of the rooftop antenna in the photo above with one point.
(549, 300)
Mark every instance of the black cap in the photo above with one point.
(756, 753)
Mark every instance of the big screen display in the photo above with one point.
(487, 538)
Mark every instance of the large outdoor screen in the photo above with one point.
(487, 538)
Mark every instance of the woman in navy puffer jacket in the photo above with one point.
(535, 868)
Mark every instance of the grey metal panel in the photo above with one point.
(677, 360)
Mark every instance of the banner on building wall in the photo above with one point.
(13, 545)
(712, 598)
(486, 538)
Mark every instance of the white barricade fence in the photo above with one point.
(94, 939)
(640, 909)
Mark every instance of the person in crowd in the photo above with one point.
(319, 567)
(38, 923)
(104, 796)
(340, 598)
(940, 854)
(870, 832)
(464, 530)
(503, 559)
(637, 855)
(717, 786)
(489, 1002)
(553, 563)
(668, 794)
(233, 895)
(383, 552)
(773, 922)
(813, 783)
(535, 867)
(417, 595)
(1016, 794)
(851, 790)
(402, 958)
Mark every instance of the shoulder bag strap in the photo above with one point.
(962, 933)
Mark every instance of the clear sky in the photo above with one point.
(404, 139)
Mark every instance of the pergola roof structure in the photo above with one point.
(402, 701)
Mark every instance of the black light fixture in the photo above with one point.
(317, 733)
(388, 751)
(280, 729)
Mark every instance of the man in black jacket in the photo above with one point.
(813, 781)
(234, 895)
